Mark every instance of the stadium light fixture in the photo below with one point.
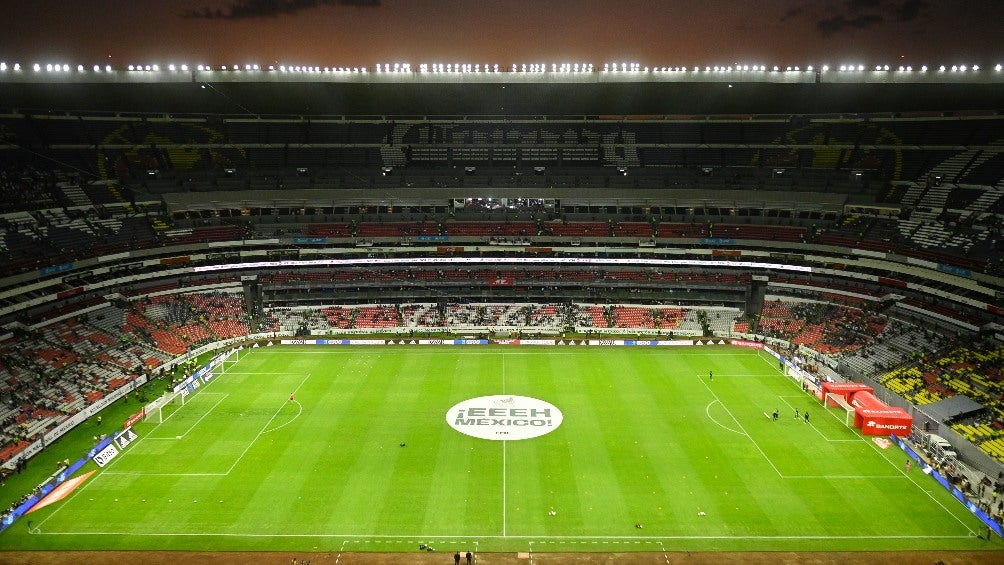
(97, 69)
(108, 68)
(826, 68)
(861, 67)
(998, 67)
(976, 67)
(3, 66)
(17, 66)
(48, 67)
(80, 68)
(923, 68)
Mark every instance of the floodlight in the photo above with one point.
(941, 68)
(17, 66)
(201, 68)
(976, 67)
(3, 66)
(156, 67)
(36, 67)
(962, 68)
(184, 68)
(48, 67)
(108, 68)
(826, 68)
(998, 67)
(171, 67)
(923, 68)
(861, 67)
(97, 69)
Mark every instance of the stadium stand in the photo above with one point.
(872, 239)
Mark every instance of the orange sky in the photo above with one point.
(652, 32)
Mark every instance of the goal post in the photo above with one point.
(838, 400)
(170, 401)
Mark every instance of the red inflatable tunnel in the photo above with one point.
(876, 418)
(884, 422)
(845, 389)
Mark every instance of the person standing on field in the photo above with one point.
(456, 558)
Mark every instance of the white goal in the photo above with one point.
(839, 400)
(169, 402)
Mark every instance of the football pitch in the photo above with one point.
(652, 454)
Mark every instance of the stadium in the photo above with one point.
(541, 313)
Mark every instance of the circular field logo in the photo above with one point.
(504, 417)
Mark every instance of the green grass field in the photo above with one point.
(646, 439)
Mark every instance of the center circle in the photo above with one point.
(504, 417)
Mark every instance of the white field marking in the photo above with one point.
(299, 410)
(504, 457)
(363, 538)
(262, 431)
(868, 477)
(537, 350)
(818, 431)
(105, 471)
(143, 474)
(707, 410)
(255, 374)
(192, 427)
(171, 415)
(744, 432)
(899, 469)
(504, 449)
(340, 550)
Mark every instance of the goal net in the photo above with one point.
(164, 406)
(838, 400)
(229, 359)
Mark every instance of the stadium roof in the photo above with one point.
(310, 91)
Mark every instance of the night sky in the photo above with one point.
(366, 32)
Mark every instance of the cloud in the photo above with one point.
(910, 10)
(793, 12)
(864, 4)
(839, 23)
(252, 9)
(844, 16)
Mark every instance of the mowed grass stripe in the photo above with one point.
(648, 438)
